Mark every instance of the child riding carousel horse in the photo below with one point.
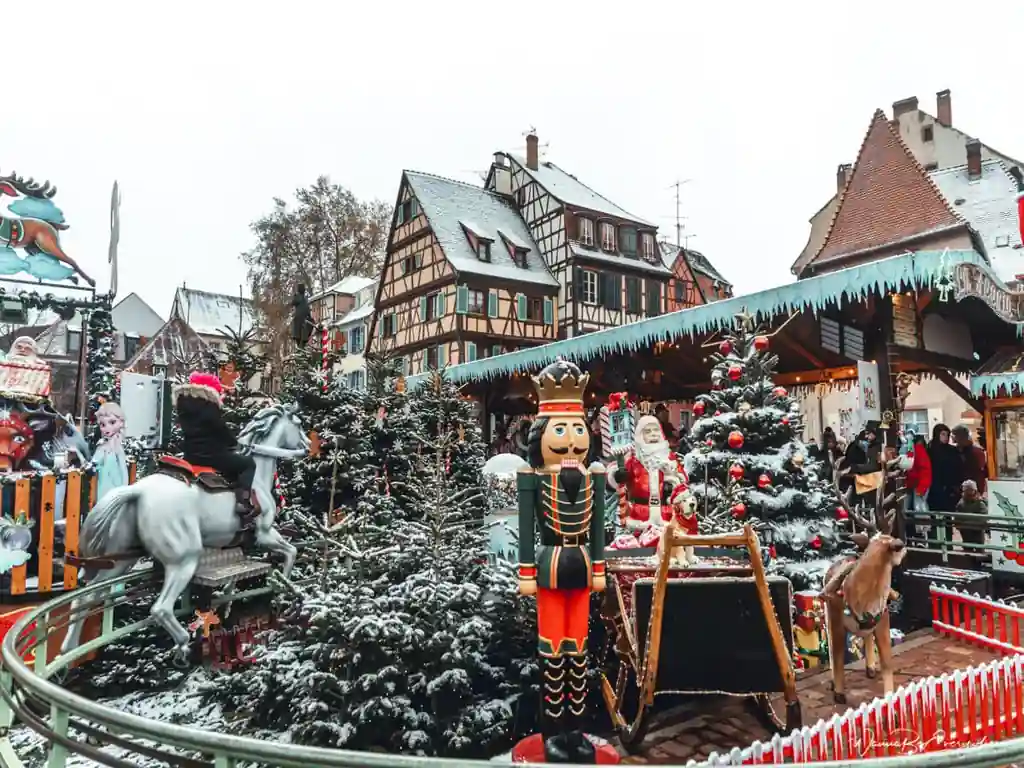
(209, 441)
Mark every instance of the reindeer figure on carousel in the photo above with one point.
(33, 234)
(858, 589)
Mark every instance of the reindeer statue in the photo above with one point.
(857, 589)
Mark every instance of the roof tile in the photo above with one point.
(887, 198)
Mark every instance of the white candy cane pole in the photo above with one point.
(605, 422)
(325, 341)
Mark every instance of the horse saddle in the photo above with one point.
(206, 478)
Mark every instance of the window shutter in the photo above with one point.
(423, 308)
(442, 355)
(414, 208)
(616, 281)
(462, 299)
(577, 284)
(549, 311)
(398, 214)
(521, 306)
(440, 308)
(470, 351)
(492, 303)
(496, 350)
(600, 288)
(380, 326)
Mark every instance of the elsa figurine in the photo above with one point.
(109, 459)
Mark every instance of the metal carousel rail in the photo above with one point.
(72, 724)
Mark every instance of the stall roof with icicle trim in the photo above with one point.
(920, 269)
(1002, 375)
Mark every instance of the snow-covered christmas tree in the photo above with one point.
(101, 374)
(748, 464)
(411, 642)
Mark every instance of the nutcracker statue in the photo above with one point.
(563, 499)
(653, 477)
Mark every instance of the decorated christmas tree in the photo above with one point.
(102, 376)
(749, 465)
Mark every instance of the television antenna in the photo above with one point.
(678, 185)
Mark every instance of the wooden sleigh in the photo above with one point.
(745, 649)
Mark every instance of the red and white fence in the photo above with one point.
(960, 709)
(992, 624)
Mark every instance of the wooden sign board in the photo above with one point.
(905, 328)
(970, 280)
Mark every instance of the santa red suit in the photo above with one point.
(653, 477)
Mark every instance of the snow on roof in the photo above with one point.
(210, 313)
(572, 191)
(349, 286)
(989, 203)
(592, 254)
(448, 204)
(697, 260)
(359, 313)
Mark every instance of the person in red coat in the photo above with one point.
(653, 477)
(919, 480)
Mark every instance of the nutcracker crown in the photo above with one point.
(560, 389)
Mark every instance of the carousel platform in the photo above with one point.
(694, 730)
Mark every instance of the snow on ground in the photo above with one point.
(183, 706)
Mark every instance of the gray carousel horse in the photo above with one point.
(173, 521)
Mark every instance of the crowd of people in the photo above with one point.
(948, 474)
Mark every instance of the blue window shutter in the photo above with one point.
(423, 308)
(462, 299)
(414, 208)
(442, 355)
(470, 351)
(398, 214)
(492, 303)
(496, 350)
(549, 312)
(440, 304)
(521, 306)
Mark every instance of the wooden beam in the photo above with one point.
(800, 350)
(958, 388)
(930, 359)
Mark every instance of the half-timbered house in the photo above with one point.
(463, 278)
(694, 280)
(605, 260)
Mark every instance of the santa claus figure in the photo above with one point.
(23, 350)
(653, 478)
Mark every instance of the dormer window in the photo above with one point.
(517, 249)
(478, 241)
(586, 232)
(647, 246)
(627, 241)
(608, 237)
(483, 250)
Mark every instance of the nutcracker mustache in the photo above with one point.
(564, 451)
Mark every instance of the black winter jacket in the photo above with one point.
(206, 435)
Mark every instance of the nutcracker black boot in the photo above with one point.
(554, 708)
(581, 749)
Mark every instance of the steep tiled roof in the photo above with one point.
(888, 198)
(448, 204)
(211, 313)
(572, 191)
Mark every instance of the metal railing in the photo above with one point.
(936, 523)
(74, 724)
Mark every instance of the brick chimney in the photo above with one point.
(903, 106)
(973, 159)
(531, 152)
(944, 108)
(842, 176)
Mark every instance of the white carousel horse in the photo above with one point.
(173, 521)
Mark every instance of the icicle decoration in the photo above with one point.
(909, 271)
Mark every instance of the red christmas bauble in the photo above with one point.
(735, 371)
(771, 550)
(760, 343)
(739, 510)
(698, 409)
(718, 413)
(785, 421)
(735, 471)
(816, 542)
(764, 481)
(725, 347)
(735, 439)
(780, 392)
(709, 442)
(841, 514)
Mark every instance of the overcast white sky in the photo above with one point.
(206, 110)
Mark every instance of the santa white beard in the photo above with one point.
(653, 455)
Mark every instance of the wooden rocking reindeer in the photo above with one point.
(857, 589)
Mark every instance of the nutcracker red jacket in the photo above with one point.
(919, 478)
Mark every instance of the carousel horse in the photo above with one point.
(173, 521)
